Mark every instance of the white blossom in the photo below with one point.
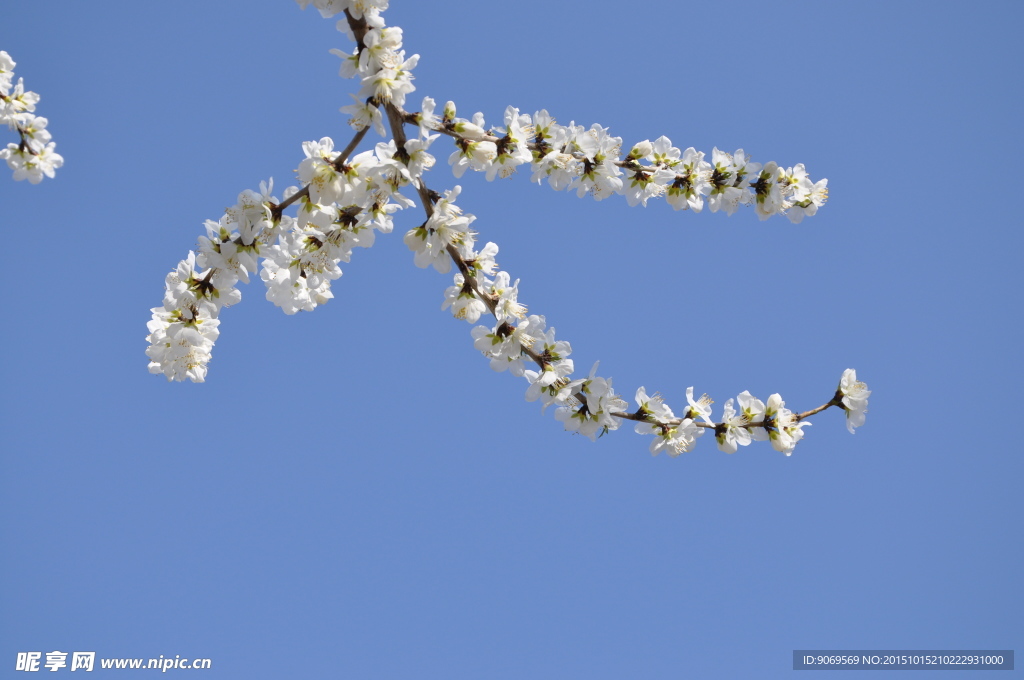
(728, 187)
(731, 432)
(854, 399)
(463, 300)
(32, 165)
(676, 439)
(690, 185)
(326, 183)
(599, 176)
(446, 226)
(363, 115)
(701, 408)
(593, 417)
(781, 425)
(653, 408)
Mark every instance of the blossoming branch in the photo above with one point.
(346, 199)
(33, 156)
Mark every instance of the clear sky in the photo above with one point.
(353, 493)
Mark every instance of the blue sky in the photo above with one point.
(353, 493)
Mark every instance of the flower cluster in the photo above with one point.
(344, 203)
(379, 61)
(671, 434)
(590, 161)
(346, 199)
(34, 156)
(183, 330)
